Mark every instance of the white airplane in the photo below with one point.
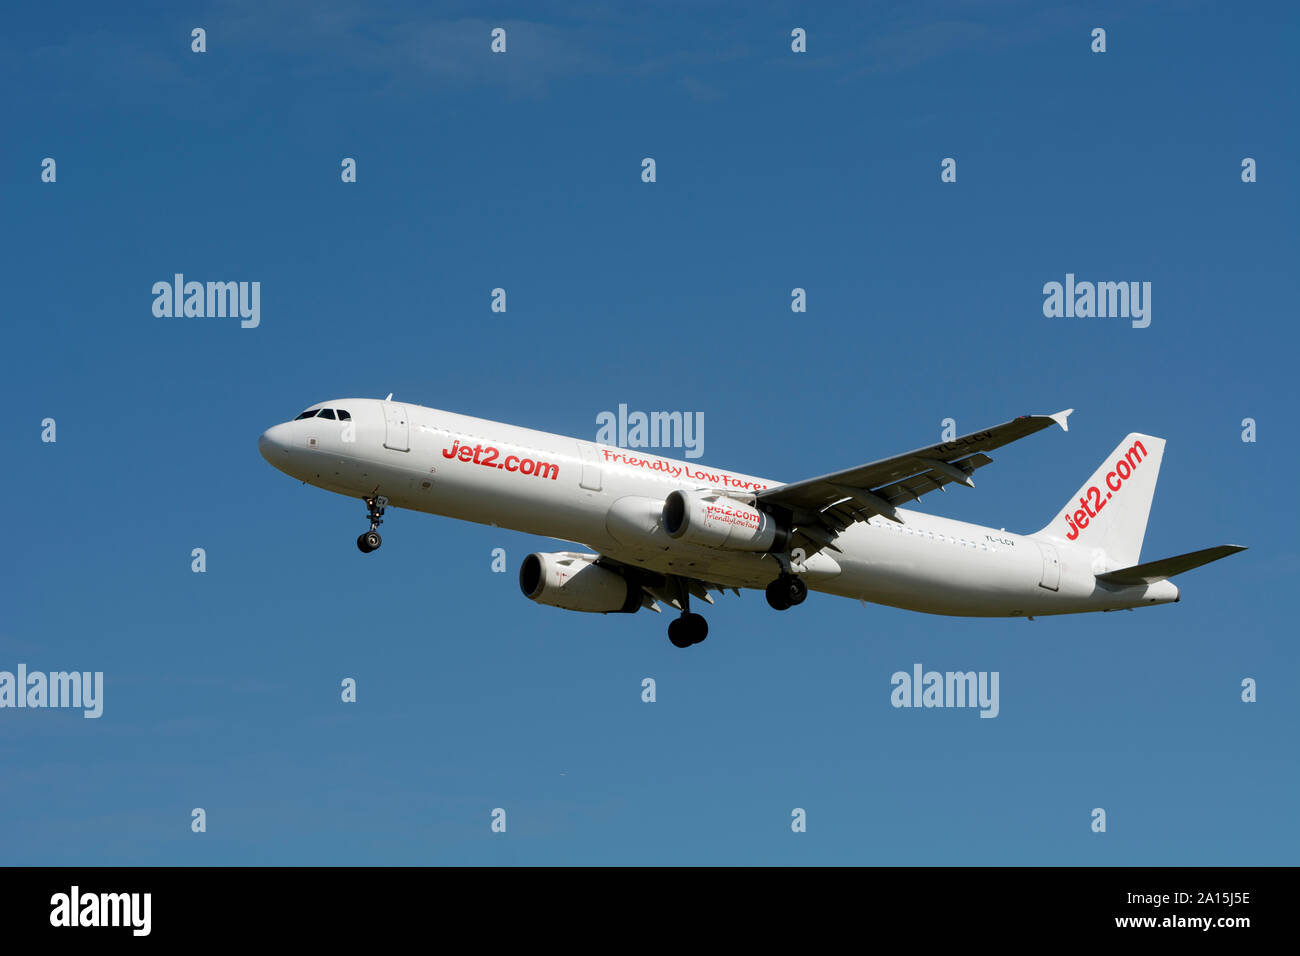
(667, 530)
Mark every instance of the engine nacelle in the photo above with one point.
(716, 521)
(575, 582)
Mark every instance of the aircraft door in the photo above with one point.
(397, 427)
(590, 466)
(1051, 578)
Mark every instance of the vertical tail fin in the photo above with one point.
(1110, 511)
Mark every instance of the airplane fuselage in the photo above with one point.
(610, 499)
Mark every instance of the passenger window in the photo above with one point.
(327, 413)
(309, 413)
(344, 416)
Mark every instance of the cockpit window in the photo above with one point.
(309, 413)
(327, 413)
(344, 416)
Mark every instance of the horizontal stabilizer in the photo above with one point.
(1154, 571)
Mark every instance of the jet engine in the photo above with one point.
(573, 581)
(716, 521)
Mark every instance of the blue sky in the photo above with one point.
(522, 171)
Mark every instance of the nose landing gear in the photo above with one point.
(370, 540)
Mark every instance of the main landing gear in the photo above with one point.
(688, 629)
(370, 540)
(786, 591)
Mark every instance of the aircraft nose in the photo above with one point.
(274, 443)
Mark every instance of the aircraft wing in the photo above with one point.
(823, 507)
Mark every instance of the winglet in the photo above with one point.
(1060, 419)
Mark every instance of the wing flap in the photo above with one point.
(936, 475)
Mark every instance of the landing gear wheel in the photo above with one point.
(370, 540)
(786, 591)
(798, 590)
(778, 595)
(688, 629)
